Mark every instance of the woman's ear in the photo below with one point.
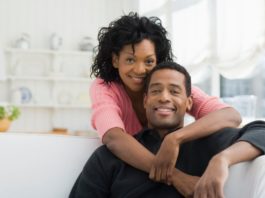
(115, 60)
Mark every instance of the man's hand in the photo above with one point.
(165, 160)
(184, 183)
(212, 182)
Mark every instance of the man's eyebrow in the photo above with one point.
(159, 84)
(154, 85)
(176, 86)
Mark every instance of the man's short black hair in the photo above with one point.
(172, 66)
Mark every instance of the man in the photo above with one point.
(168, 96)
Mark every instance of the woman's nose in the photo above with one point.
(140, 68)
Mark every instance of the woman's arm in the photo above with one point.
(108, 121)
(128, 149)
(210, 123)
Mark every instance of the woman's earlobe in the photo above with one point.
(115, 61)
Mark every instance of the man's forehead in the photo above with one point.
(167, 76)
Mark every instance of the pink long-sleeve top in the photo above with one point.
(112, 107)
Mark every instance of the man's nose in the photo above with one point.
(164, 96)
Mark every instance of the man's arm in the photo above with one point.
(184, 183)
(167, 155)
(212, 181)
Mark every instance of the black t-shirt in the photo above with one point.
(106, 176)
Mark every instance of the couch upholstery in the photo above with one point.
(46, 166)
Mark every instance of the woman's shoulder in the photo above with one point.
(197, 92)
(100, 83)
(99, 86)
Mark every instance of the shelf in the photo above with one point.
(89, 133)
(48, 78)
(4, 103)
(48, 52)
(72, 107)
(50, 86)
(53, 106)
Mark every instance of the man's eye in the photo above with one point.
(175, 92)
(155, 91)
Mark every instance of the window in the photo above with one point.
(218, 36)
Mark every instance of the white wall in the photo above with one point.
(72, 19)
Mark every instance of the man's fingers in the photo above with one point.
(158, 175)
(211, 192)
(218, 190)
(152, 173)
(164, 175)
(169, 175)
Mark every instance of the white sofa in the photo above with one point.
(46, 166)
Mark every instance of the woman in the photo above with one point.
(128, 49)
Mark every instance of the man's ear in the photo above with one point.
(145, 100)
(189, 103)
(115, 60)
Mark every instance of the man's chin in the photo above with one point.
(166, 126)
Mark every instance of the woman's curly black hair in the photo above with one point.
(129, 29)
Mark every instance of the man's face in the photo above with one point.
(166, 101)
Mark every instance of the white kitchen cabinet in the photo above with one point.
(50, 87)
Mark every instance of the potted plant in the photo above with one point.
(7, 115)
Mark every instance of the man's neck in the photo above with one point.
(163, 132)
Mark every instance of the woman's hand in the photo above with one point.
(165, 160)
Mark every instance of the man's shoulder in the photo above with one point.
(257, 124)
(102, 151)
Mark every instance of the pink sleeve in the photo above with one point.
(204, 104)
(106, 113)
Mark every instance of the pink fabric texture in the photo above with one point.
(112, 107)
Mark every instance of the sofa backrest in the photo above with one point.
(46, 166)
(40, 165)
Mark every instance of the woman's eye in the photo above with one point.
(150, 62)
(130, 60)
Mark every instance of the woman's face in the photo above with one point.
(133, 66)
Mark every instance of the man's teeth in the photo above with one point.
(164, 109)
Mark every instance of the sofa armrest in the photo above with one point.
(246, 180)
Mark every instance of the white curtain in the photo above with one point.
(190, 37)
(240, 37)
(226, 34)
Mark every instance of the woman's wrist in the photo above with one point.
(179, 136)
